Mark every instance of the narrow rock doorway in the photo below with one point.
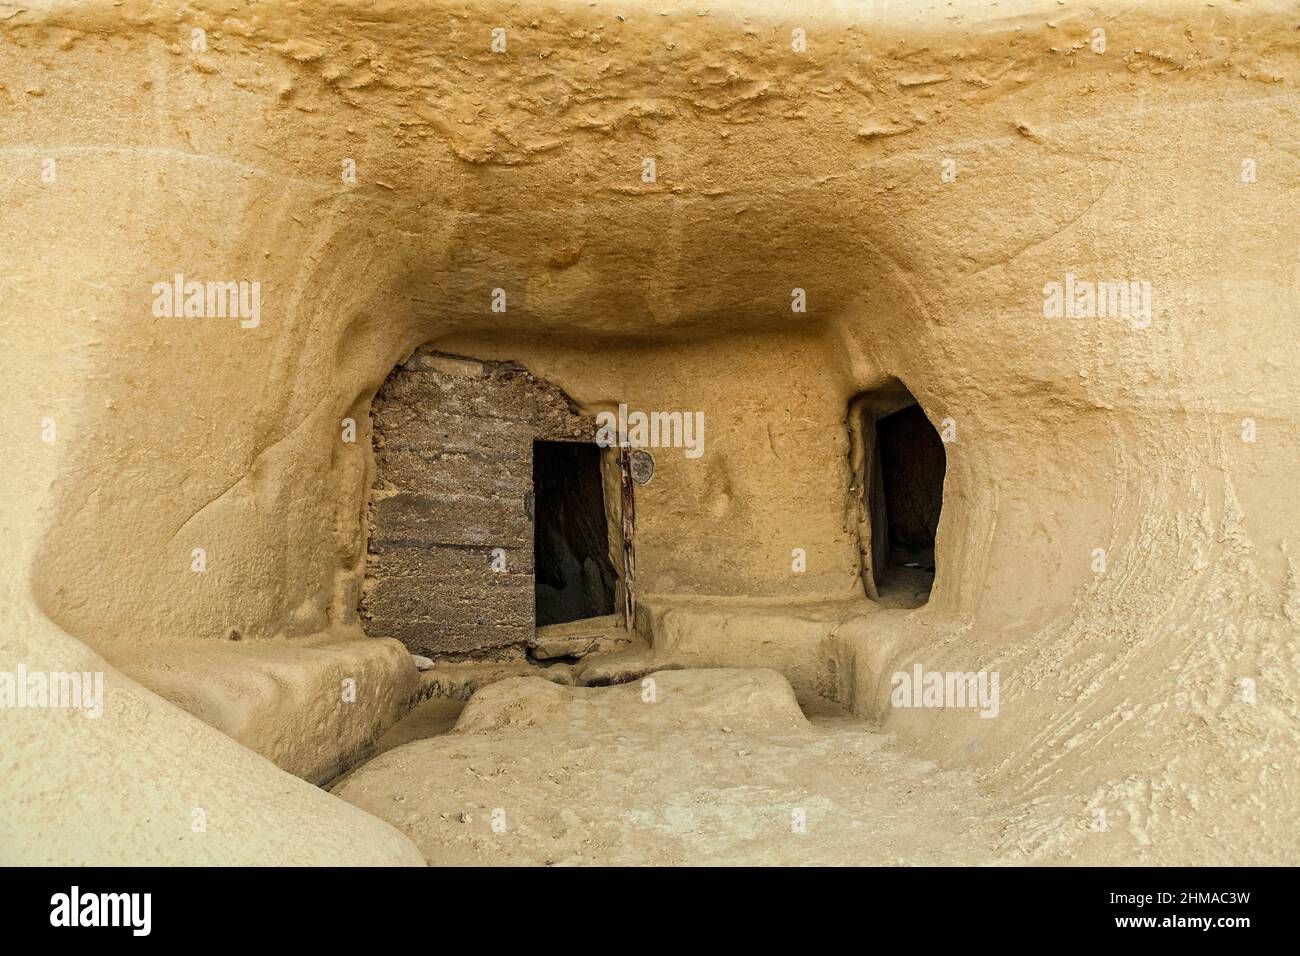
(899, 463)
(573, 575)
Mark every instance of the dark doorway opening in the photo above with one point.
(901, 467)
(912, 466)
(573, 575)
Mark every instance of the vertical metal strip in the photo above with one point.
(629, 533)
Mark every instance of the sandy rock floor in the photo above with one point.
(719, 769)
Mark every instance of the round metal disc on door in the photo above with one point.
(641, 466)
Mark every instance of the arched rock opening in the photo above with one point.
(898, 467)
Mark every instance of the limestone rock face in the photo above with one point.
(576, 639)
(754, 700)
(312, 709)
(146, 783)
(720, 766)
(1119, 528)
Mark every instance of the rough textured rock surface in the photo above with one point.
(313, 709)
(148, 784)
(754, 700)
(721, 767)
(1123, 688)
(577, 639)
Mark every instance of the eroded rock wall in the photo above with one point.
(921, 175)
